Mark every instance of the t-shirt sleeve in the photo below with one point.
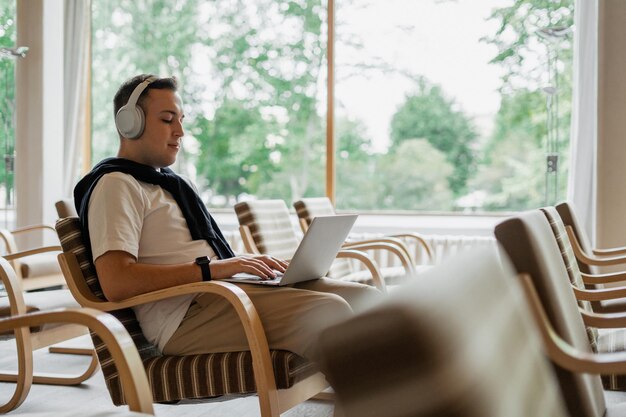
(115, 215)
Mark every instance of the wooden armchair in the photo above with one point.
(109, 330)
(308, 208)
(587, 287)
(39, 269)
(281, 379)
(588, 257)
(266, 228)
(529, 241)
(15, 304)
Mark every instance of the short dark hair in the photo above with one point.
(127, 88)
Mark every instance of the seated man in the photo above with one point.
(148, 230)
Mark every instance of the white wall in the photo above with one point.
(611, 196)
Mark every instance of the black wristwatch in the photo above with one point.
(203, 262)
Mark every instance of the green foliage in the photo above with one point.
(414, 177)
(512, 171)
(428, 114)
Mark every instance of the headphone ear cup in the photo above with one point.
(130, 121)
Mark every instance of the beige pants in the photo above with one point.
(292, 317)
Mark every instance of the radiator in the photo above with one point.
(443, 246)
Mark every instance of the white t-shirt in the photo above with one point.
(145, 221)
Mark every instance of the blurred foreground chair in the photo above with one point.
(464, 344)
(588, 257)
(40, 269)
(309, 208)
(15, 304)
(266, 228)
(529, 241)
(109, 330)
(281, 379)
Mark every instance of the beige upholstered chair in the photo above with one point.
(530, 244)
(464, 344)
(266, 228)
(309, 208)
(109, 330)
(588, 288)
(38, 270)
(281, 379)
(589, 258)
(14, 304)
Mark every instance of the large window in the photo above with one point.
(440, 105)
(447, 105)
(8, 55)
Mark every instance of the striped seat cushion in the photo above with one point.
(567, 253)
(203, 376)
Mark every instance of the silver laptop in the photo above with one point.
(314, 255)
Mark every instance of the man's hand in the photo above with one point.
(262, 266)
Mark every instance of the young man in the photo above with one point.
(149, 230)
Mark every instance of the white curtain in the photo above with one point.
(582, 173)
(77, 34)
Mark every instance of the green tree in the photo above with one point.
(414, 176)
(429, 114)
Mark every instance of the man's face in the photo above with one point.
(161, 139)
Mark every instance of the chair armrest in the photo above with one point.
(385, 239)
(561, 352)
(420, 240)
(604, 278)
(369, 264)
(404, 259)
(603, 320)
(113, 334)
(32, 228)
(21, 254)
(590, 259)
(610, 252)
(600, 294)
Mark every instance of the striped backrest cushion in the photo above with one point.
(270, 225)
(71, 238)
(308, 208)
(569, 259)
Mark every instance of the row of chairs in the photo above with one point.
(438, 351)
(464, 340)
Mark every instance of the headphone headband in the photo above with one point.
(129, 119)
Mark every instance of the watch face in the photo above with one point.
(202, 260)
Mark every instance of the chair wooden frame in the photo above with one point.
(27, 341)
(394, 239)
(111, 331)
(561, 352)
(272, 401)
(353, 252)
(31, 283)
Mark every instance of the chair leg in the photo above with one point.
(60, 379)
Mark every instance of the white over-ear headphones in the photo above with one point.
(130, 119)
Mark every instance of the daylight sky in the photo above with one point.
(434, 38)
